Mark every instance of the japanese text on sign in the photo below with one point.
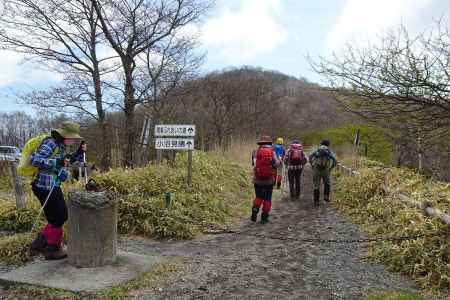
(175, 130)
(174, 143)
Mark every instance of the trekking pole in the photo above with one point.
(301, 184)
(285, 179)
(45, 203)
(85, 168)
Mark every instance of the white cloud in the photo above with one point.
(249, 30)
(15, 72)
(364, 20)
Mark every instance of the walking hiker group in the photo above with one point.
(268, 161)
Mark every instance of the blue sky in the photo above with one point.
(273, 34)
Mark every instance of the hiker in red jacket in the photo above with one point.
(294, 161)
(264, 161)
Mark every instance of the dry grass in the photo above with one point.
(239, 152)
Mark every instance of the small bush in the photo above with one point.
(17, 220)
(14, 249)
(218, 193)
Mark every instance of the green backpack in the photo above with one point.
(25, 167)
(323, 160)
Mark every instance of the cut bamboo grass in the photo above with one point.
(426, 207)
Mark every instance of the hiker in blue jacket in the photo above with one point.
(280, 152)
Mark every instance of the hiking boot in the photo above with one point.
(254, 216)
(316, 197)
(264, 218)
(326, 193)
(55, 253)
(39, 244)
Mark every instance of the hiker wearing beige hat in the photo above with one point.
(47, 163)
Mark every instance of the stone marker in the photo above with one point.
(92, 229)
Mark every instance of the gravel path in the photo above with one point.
(241, 266)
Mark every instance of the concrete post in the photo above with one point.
(92, 229)
(18, 186)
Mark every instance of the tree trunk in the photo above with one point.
(105, 162)
(130, 104)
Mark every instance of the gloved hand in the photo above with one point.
(55, 166)
(59, 163)
(62, 175)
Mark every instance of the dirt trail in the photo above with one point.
(238, 266)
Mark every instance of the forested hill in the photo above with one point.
(249, 101)
(228, 105)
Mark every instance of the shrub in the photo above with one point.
(218, 192)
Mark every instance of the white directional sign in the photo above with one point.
(175, 130)
(174, 143)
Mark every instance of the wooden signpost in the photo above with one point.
(176, 137)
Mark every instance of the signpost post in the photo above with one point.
(176, 137)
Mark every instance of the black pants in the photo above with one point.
(264, 191)
(56, 210)
(76, 173)
(294, 176)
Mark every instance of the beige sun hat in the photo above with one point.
(69, 130)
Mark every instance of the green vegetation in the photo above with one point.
(14, 249)
(17, 220)
(159, 274)
(395, 296)
(427, 259)
(379, 147)
(218, 194)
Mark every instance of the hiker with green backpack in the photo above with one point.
(323, 160)
(44, 159)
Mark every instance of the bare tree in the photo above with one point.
(165, 70)
(401, 84)
(402, 78)
(63, 36)
(132, 27)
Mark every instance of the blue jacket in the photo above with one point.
(51, 171)
(279, 151)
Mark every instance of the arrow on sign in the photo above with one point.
(190, 130)
(189, 144)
